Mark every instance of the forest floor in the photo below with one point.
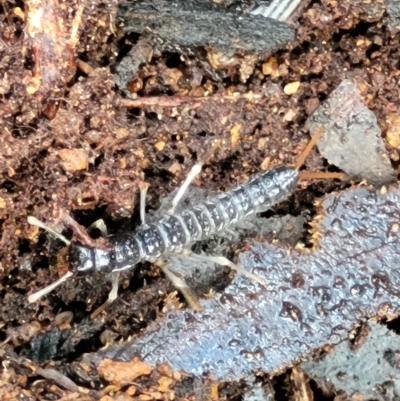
(73, 142)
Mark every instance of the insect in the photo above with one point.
(176, 231)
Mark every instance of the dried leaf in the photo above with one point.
(352, 140)
(312, 298)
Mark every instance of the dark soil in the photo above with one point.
(69, 143)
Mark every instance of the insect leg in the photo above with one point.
(143, 192)
(221, 260)
(195, 170)
(112, 296)
(181, 285)
(101, 226)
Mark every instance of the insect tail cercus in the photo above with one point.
(175, 232)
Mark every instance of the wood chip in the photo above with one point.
(271, 67)
(291, 88)
(177, 375)
(164, 383)
(131, 390)
(289, 116)
(175, 168)
(266, 163)
(393, 133)
(165, 370)
(160, 145)
(116, 372)
(235, 134)
(73, 159)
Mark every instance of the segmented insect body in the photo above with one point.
(174, 232)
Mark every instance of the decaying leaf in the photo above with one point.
(345, 368)
(311, 298)
(352, 139)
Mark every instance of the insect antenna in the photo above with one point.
(33, 221)
(44, 291)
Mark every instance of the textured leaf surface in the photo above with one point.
(312, 298)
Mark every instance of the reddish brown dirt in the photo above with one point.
(68, 142)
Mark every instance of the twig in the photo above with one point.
(174, 101)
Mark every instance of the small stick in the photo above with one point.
(74, 38)
(309, 146)
(81, 233)
(320, 175)
(175, 101)
(59, 378)
(76, 228)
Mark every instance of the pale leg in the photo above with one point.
(44, 291)
(181, 285)
(101, 226)
(221, 260)
(112, 296)
(194, 171)
(143, 193)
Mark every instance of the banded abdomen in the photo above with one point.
(198, 222)
(173, 232)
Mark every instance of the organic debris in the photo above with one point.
(185, 26)
(184, 101)
(197, 23)
(344, 369)
(393, 11)
(352, 139)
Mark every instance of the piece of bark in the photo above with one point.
(204, 23)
